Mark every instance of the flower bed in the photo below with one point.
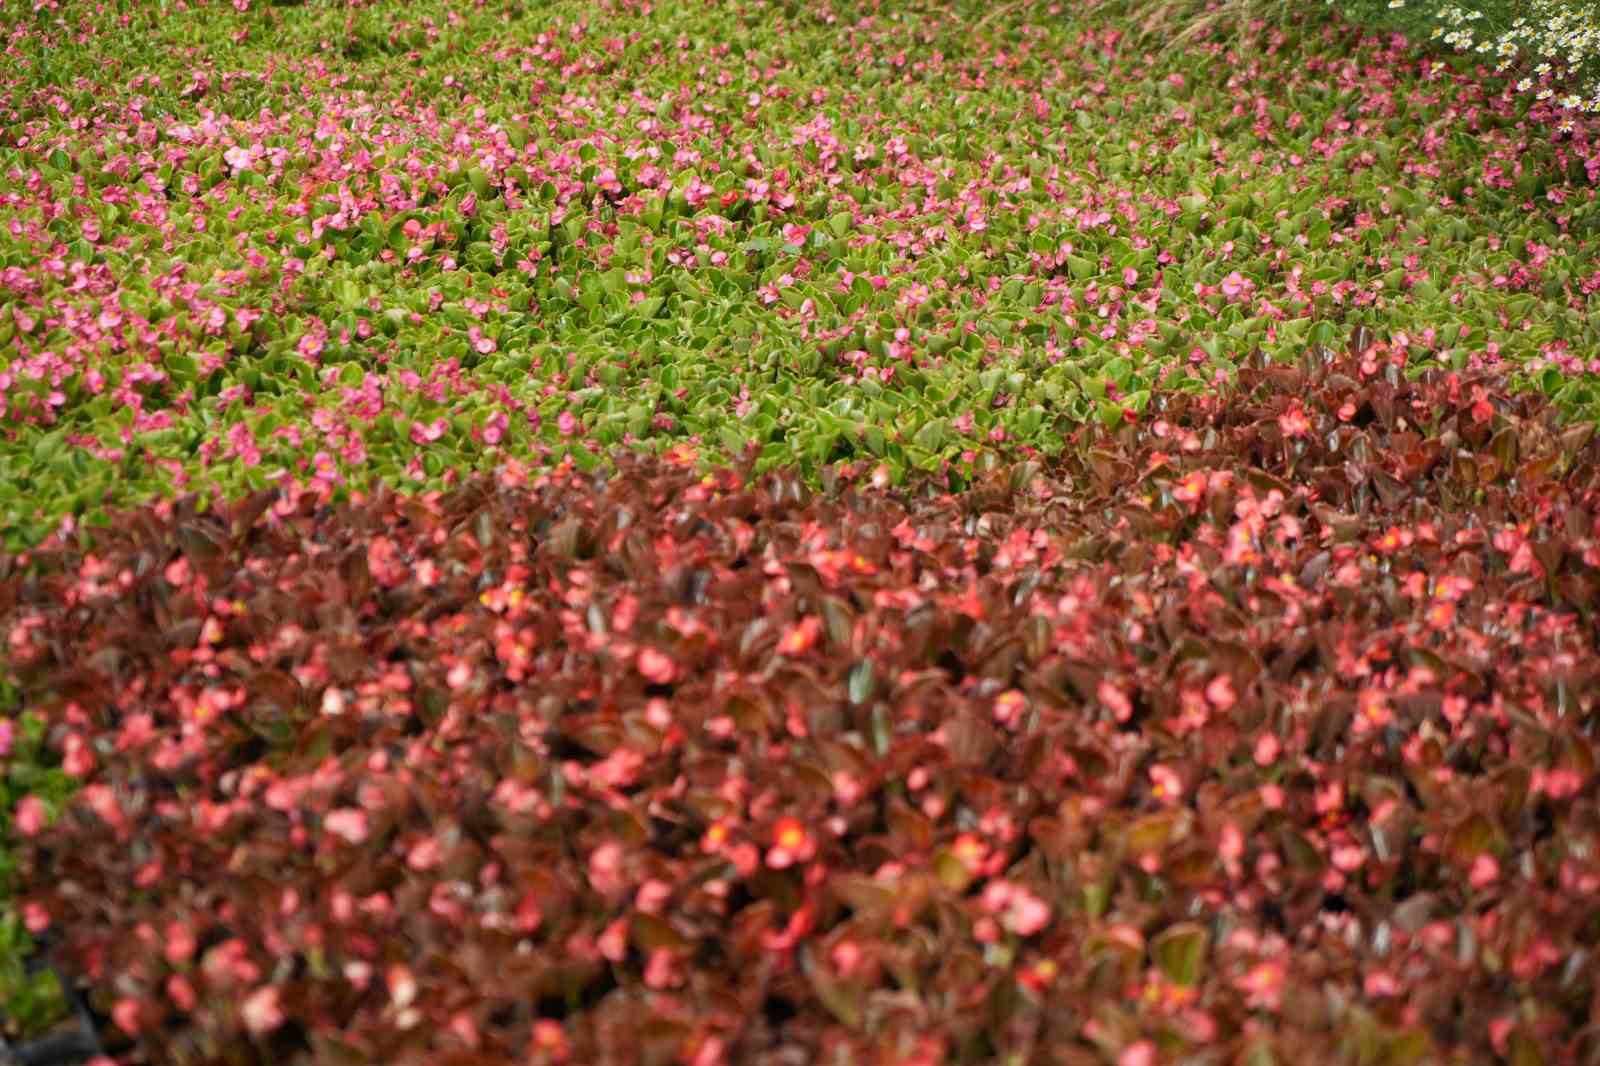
(1259, 729)
(358, 244)
(326, 247)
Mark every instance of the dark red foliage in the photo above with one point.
(1262, 728)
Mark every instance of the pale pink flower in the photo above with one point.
(348, 823)
(262, 1010)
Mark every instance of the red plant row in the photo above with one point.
(1260, 730)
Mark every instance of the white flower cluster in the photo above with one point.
(1555, 37)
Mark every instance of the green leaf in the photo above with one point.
(1180, 952)
(932, 435)
(861, 682)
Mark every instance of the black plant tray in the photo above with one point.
(72, 1043)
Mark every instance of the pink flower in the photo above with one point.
(1230, 844)
(656, 667)
(1263, 985)
(605, 870)
(181, 992)
(1115, 700)
(128, 1016)
(402, 985)
(1294, 422)
(262, 1010)
(1028, 914)
(1165, 783)
(425, 854)
(652, 896)
(1022, 912)
(710, 1052)
(549, 1040)
(179, 943)
(1349, 857)
(1484, 872)
(29, 817)
(1141, 1054)
(662, 970)
(1500, 1033)
(77, 758)
(348, 823)
(1009, 707)
(802, 637)
(427, 434)
(1267, 749)
(1373, 711)
(529, 914)
(613, 942)
(1220, 694)
(1557, 784)
(697, 192)
(1380, 983)
(35, 918)
(1236, 285)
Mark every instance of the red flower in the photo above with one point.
(801, 638)
(790, 844)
